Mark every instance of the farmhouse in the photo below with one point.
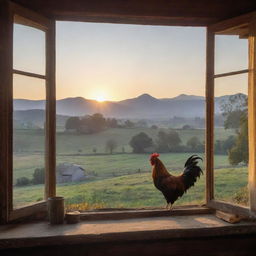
(193, 230)
(67, 172)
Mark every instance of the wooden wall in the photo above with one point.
(165, 12)
(217, 246)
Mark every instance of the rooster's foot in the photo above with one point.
(169, 206)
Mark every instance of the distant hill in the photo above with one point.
(143, 106)
(34, 118)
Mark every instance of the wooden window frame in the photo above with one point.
(245, 27)
(11, 13)
(7, 11)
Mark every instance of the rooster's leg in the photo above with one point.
(168, 206)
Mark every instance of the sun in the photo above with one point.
(100, 98)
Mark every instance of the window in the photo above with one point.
(44, 77)
(140, 72)
(31, 74)
(227, 82)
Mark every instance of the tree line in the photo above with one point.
(166, 141)
(97, 122)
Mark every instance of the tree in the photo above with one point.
(98, 122)
(72, 123)
(240, 152)
(229, 143)
(168, 142)
(38, 176)
(140, 142)
(92, 124)
(236, 113)
(111, 144)
(194, 143)
(233, 110)
(224, 146)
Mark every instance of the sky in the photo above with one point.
(117, 61)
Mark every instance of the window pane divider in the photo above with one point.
(232, 73)
(24, 73)
(209, 95)
(252, 116)
(28, 210)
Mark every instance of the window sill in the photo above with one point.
(138, 229)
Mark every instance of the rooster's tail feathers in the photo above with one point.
(192, 160)
(191, 171)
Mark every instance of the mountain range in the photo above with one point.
(144, 106)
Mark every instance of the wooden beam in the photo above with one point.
(24, 73)
(50, 155)
(29, 18)
(137, 20)
(252, 115)
(28, 211)
(139, 213)
(6, 35)
(227, 26)
(209, 114)
(158, 12)
(231, 73)
(230, 208)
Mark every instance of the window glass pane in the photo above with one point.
(231, 54)
(28, 49)
(134, 77)
(28, 140)
(231, 139)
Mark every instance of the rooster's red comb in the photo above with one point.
(154, 155)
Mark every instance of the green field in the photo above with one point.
(72, 143)
(118, 180)
(135, 190)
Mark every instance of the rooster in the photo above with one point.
(171, 186)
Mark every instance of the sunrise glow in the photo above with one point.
(97, 94)
(100, 98)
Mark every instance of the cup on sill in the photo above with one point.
(56, 210)
(73, 217)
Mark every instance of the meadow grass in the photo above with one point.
(134, 190)
(103, 166)
(117, 180)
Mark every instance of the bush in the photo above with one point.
(23, 181)
(38, 176)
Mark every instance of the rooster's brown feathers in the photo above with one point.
(171, 186)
